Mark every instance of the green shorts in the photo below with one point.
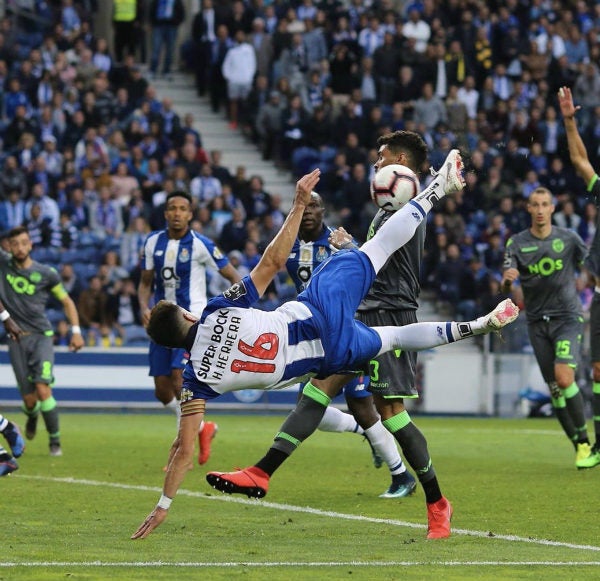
(392, 374)
(32, 360)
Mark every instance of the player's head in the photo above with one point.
(312, 219)
(169, 324)
(178, 210)
(403, 147)
(540, 206)
(19, 243)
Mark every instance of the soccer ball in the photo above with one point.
(393, 186)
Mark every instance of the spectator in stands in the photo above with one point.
(67, 233)
(234, 233)
(12, 210)
(40, 228)
(124, 310)
(268, 125)
(126, 19)
(123, 183)
(205, 187)
(219, 171)
(566, 217)
(78, 209)
(239, 68)
(106, 218)
(48, 207)
(256, 201)
(429, 109)
(132, 242)
(115, 271)
(92, 308)
(218, 283)
(355, 195)
(12, 177)
(449, 276)
(218, 85)
(587, 227)
(165, 17)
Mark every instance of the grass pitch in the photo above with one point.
(522, 510)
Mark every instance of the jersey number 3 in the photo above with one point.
(265, 348)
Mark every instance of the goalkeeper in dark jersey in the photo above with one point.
(579, 158)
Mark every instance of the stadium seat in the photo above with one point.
(135, 336)
(46, 255)
(85, 270)
(54, 316)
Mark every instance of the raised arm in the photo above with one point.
(278, 251)
(577, 150)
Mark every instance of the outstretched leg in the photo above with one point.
(304, 419)
(400, 228)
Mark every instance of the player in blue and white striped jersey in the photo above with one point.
(174, 263)
(234, 346)
(311, 248)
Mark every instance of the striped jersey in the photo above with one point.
(237, 347)
(305, 257)
(234, 346)
(180, 267)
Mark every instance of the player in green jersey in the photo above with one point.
(546, 258)
(580, 160)
(25, 287)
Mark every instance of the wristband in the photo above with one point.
(4, 315)
(76, 330)
(164, 502)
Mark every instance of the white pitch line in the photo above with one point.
(315, 511)
(303, 564)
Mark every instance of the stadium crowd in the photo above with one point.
(89, 152)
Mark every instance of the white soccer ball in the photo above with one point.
(393, 186)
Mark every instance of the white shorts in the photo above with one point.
(238, 90)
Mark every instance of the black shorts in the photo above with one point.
(556, 341)
(392, 374)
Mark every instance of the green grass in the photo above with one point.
(522, 511)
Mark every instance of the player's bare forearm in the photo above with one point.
(230, 273)
(144, 294)
(508, 277)
(176, 470)
(577, 150)
(76, 342)
(180, 461)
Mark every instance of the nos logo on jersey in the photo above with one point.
(235, 292)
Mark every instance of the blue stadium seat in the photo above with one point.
(46, 255)
(55, 315)
(83, 255)
(85, 270)
(135, 336)
(87, 239)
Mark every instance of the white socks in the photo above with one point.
(385, 445)
(335, 420)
